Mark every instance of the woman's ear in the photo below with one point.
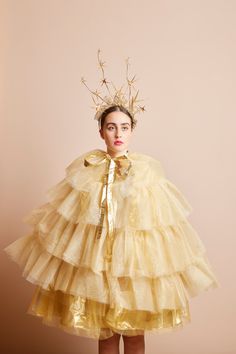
(101, 133)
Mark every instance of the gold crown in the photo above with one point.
(114, 96)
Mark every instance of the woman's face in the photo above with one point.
(116, 128)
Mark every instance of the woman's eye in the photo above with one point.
(112, 128)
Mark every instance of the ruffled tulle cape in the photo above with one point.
(158, 262)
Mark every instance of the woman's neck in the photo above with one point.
(116, 153)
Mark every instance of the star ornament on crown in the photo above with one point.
(126, 97)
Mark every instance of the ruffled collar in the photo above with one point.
(99, 156)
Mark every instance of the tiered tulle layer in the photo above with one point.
(157, 260)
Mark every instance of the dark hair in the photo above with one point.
(116, 108)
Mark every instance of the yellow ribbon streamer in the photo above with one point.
(119, 165)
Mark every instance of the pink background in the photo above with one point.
(184, 55)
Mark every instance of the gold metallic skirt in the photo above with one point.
(85, 317)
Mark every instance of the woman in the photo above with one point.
(112, 252)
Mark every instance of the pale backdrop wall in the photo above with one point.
(184, 55)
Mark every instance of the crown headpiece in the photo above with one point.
(128, 97)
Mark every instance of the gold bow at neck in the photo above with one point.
(98, 157)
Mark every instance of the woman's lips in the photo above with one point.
(118, 142)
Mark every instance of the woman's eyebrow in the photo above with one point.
(116, 124)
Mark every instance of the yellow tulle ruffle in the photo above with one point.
(140, 279)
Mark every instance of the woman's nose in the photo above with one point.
(118, 134)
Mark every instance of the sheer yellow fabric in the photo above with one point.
(126, 263)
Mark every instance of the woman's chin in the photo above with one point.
(121, 147)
